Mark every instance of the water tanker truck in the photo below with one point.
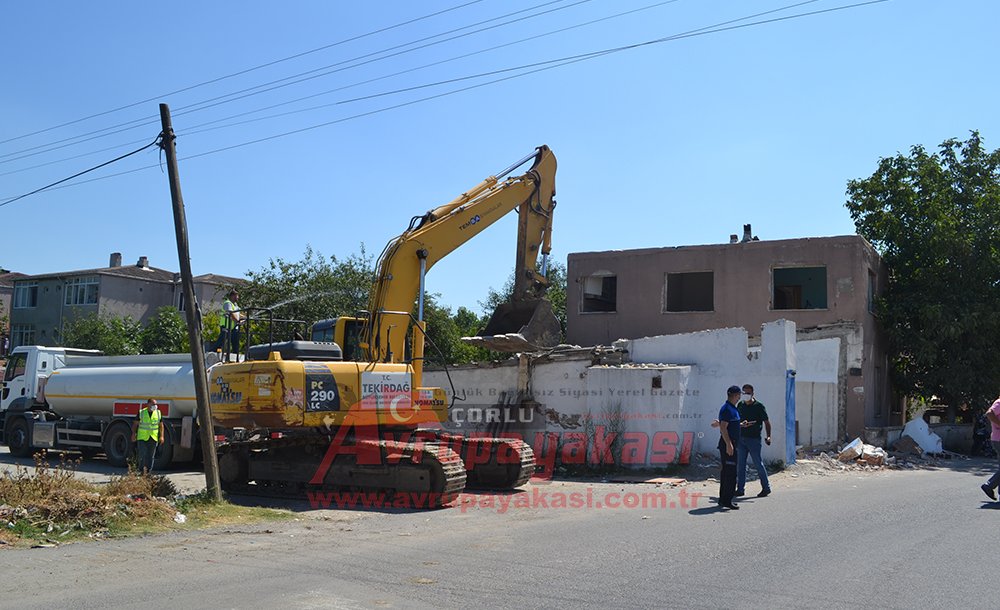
(62, 398)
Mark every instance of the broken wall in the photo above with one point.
(649, 412)
(722, 358)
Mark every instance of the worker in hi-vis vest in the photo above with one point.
(229, 330)
(147, 434)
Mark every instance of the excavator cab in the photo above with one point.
(344, 331)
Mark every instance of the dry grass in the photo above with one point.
(49, 504)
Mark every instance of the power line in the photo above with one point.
(247, 70)
(78, 174)
(64, 159)
(711, 29)
(280, 83)
(689, 33)
(197, 129)
(553, 64)
(312, 74)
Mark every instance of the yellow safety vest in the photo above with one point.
(228, 307)
(149, 425)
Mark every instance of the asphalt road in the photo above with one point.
(893, 539)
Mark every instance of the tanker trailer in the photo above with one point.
(58, 398)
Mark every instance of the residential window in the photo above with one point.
(25, 295)
(22, 334)
(82, 290)
(799, 288)
(693, 291)
(600, 293)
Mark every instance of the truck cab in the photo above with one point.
(28, 368)
(82, 400)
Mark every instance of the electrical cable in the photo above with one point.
(198, 129)
(688, 34)
(86, 171)
(267, 87)
(312, 74)
(548, 66)
(247, 70)
(564, 62)
(86, 154)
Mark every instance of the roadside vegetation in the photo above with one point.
(49, 505)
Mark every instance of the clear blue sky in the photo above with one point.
(669, 144)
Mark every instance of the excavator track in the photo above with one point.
(491, 463)
(374, 474)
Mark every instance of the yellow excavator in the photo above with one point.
(350, 412)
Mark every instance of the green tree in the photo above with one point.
(556, 293)
(443, 336)
(115, 336)
(310, 289)
(166, 333)
(211, 322)
(935, 219)
(445, 330)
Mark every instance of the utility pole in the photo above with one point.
(193, 323)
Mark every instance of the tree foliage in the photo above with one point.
(113, 335)
(445, 331)
(935, 219)
(311, 289)
(166, 333)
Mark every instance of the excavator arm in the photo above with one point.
(405, 261)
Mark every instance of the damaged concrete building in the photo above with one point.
(642, 403)
(826, 285)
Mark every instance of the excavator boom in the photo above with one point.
(432, 236)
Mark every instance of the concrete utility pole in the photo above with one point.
(193, 323)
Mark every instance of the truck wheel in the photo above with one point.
(118, 444)
(164, 453)
(18, 438)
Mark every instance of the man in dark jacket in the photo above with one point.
(729, 438)
(755, 415)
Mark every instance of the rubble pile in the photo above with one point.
(857, 455)
(858, 451)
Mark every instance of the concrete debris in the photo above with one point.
(636, 365)
(508, 342)
(815, 461)
(857, 450)
(918, 430)
(851, 451)
(907, 445)
(610, 356)
(873, 456)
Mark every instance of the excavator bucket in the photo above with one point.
(521, 326)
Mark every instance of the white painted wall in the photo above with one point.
(816, 410)
(818, 360)
(723, 358)
(816, 400)
(694, 371)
